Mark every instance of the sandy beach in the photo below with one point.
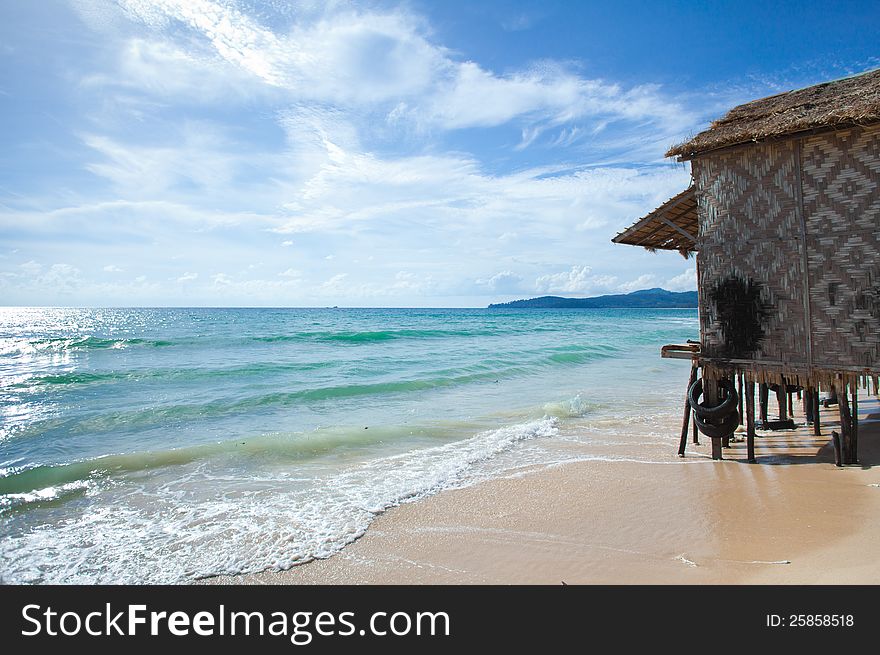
(792, 518)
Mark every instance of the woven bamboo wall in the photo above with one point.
(841, 195)
(789, 260)
(750, 231)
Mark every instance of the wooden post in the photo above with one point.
(782, 401)
(750, 420)
(854, 425)
(764, 401)
(808, 404)
(725, 440)
(710, 393)
(696, 431)
(687, 412)
(845, 422)
(739, 384)
(817, 406)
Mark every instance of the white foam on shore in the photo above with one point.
(192, 526)
(46, 494)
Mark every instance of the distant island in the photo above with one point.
(660, 298)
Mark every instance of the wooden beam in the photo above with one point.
(678, 229)
(802, 242)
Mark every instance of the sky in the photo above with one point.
(372, 154)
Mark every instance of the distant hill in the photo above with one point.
(645, 298)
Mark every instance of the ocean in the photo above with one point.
(166, 445)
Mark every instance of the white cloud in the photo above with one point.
(370, 58)
(502, 282)
(335, 285)
(198, 156)
(112, 268)
(60, 278)
(64, 278)
(646, 281)
(687, 281)
(343, 57)
(31, 268)
(576, 280)
(165, 70)
(546, 95)
(344, 143)
(579, 280)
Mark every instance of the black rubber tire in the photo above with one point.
(726, 428)
(728, 406)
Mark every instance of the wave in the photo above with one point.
(43, 497)
(582, 353)
(27, 482)
(492, 370)
(223, 407)
(145, 536)
(372, 336)
(24, 346)
(13, 346)
(258, 369)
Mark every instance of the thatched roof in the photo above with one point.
(672, 226)
(841, 103)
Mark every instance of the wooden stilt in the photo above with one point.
(750, 420)
(739, 385)
(710, 393)
(808, 404)
(764, 402)
(845, 423)
(696, 431)
(838, 456)
(817, 427)
(725, 440)
(782, 402)
(682, 444)
(854, 425)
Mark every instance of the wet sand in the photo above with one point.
(792, 518)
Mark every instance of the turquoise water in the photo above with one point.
(160, 445)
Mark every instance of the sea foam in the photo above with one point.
(164, 534)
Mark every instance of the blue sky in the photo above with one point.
(248, 152)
